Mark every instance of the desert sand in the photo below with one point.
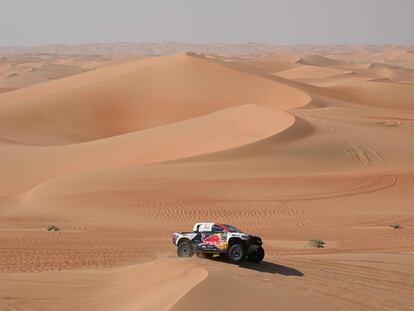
(292, 144)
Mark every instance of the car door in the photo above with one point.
(212, 240)
(202, 239)
(220, 237)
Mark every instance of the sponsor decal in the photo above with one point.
(218, 241)
(205, 227)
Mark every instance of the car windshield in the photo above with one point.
(232, 228)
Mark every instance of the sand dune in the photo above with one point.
(283, 284)
(155, 286)
(401, 56)
(311, 72)
(318, 60)
(218, 131)
(18, 71)
(34, 116)
(128, 97)
(389, 95)
(121, 151)
(273, 62)
(152, 286)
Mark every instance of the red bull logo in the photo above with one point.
(211, 239)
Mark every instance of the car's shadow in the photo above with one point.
(265, 266)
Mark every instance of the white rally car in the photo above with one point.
(209, 239)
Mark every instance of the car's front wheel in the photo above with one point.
(185, 249)
(237, 253)
(256, 256)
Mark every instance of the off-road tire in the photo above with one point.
(256, 256)
(185, 249)
(237, 253)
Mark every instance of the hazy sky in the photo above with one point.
(33, 22)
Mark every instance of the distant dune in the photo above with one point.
(307, 72)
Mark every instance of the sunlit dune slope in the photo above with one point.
(133, 96)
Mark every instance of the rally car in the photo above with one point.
(209, 239)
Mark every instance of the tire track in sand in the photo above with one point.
(363, 154)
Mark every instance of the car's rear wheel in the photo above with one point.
(257, 255)
(185, 249)
(237, 253)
